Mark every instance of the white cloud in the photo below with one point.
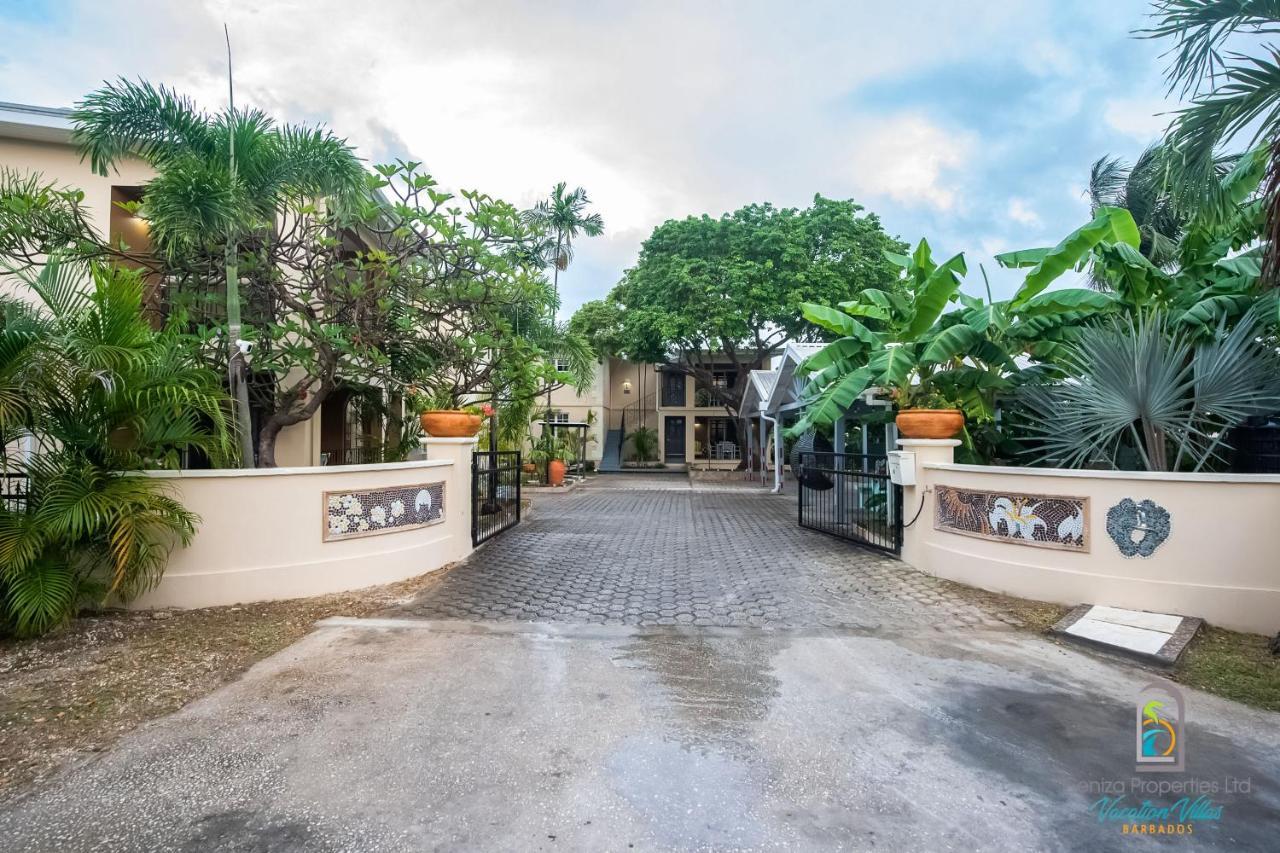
(910, 160)
(1020, 211)
(1138, 118)
(660, 109)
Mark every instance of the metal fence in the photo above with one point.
(495, 493)
(850, 495)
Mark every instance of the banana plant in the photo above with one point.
(888, 339)
(1208, 285)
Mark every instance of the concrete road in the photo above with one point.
(516, 736)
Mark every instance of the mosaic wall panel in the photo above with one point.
(368, 513)
(1043, 521)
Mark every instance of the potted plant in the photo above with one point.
(442, 418)
(925, 412)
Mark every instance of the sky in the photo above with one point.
(970, 123)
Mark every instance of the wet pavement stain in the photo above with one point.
(711, 692)
(1061, 749)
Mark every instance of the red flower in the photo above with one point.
(487, 410)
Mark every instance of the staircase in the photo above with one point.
(612, 458)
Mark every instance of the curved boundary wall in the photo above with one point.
(265, 534)
(1217, 558)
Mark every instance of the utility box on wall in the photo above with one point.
(902, 467)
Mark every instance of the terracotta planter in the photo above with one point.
(930, 423)
(555, 472)
(450, 423)
(529, 468)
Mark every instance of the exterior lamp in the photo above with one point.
(626, 387)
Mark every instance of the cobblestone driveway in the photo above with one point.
(652, 550)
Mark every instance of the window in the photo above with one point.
(559, 417)
(562, 364)
(722, 379)
(716, 438)
(672, 388)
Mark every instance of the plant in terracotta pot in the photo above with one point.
(552, 453)
(925, 411)
(442, 417)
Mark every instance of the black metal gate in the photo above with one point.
(495, 493)
(850, 495)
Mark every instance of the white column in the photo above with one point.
(457, 501)
(777, 454)
(762, 449)
(919, 498)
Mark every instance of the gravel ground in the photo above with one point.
(82, 688)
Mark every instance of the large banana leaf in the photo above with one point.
(864, 309)
(1112, 224)
(834, 353)
(892, 366)
(1022, 258)
(834, 400)
(836, 321)
(1206, 313)
(1069, 299)
(949, 343)
(932, 298)
(1135, 279)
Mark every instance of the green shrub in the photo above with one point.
(100, 395)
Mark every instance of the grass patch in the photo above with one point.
(1235, 666)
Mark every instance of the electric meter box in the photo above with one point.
(902, 467)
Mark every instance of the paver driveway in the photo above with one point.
(631, 549)
(823, 698)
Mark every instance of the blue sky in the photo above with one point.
(970, 123)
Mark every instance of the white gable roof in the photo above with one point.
(787, 386)
(760, 386)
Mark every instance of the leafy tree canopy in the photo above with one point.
(707, 288)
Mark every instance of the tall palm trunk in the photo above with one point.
(235, 360)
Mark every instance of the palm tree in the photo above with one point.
(1140, 189)
(1235, 99)
(562, 217)
(220, 178)
(100, 395)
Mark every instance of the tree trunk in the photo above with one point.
(282, 418)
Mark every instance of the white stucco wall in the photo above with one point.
(1219, 561)
(262, 532)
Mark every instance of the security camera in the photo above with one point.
(244, 346)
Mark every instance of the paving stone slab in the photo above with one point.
(1155, 638)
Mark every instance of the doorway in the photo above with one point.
(673, 439)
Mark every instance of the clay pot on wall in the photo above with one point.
(929, 423)
(450, 423)
(555, 472)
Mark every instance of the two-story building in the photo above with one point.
(691, 428)
(37, 140)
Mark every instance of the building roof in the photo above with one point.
(759, 387)
(787, 388)
(41, 124)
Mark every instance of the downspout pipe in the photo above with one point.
(777, 453)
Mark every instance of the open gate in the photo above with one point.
(495, 493)
(851, 496)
